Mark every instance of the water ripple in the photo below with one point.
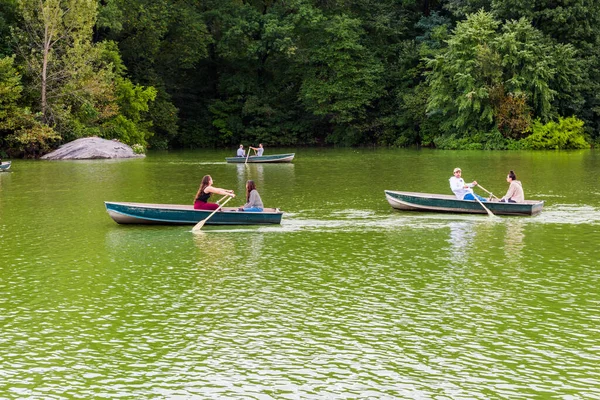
(354, 303)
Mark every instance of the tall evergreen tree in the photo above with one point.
(486, 72)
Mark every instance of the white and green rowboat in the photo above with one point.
(273, 158)
(182, 214)
(412, 201)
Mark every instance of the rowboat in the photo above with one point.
(180, 214)
(273, 158)
(5, 165)
(448, 203)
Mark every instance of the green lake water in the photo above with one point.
(348, 298)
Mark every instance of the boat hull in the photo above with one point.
(5, 165)
(412, 201)
(273, 158)
(179, 214)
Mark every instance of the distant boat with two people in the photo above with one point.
(273, 158)
(243, 158)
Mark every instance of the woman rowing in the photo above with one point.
(204, 192)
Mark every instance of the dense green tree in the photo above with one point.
(341, 78)
(485, 70)
(464, 75)
(450, 73)
(10, 87)
(8, 18)
(386, 31)
(274, 54)
(161, 42)
(54, 42)
(414, 125)
(573, 22)
(129, 102)
(248, 87)
(566, 133)
(20, 131)
(78, 87)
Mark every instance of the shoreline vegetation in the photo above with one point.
(446, 75)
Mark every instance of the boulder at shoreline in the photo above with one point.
(91, 148)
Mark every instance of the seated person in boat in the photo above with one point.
(253, 200)
(515, 192)
(206, 189)
(461, 189)
(240, 151)
(259, 150)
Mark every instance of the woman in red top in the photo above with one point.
(206, 189)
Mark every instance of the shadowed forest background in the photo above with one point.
(451, 74)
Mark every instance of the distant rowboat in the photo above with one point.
(273, 158)
(448, 203)
(180, 214)
(5, 165)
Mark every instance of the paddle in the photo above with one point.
(221, 199)
(247, 155)
(491, 214)
(200, 224)
(488, 192)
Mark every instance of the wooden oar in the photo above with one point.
(491, 214)
(221, 199)
(247, 155)
(200, 224)
(487, 191)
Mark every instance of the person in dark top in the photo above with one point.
(204, 192)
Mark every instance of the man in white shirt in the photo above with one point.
(461, 189)
(241, 152)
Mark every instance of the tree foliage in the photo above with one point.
(20, 132)
(78, 87)
(493, 76)
(55, 43)
(178, 73)
(341, 78)
(566, 133)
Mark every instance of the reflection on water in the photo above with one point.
(215, 245)
(262, 173)
(513, 241)
(242, 173)
(461, 240)
(211, 246)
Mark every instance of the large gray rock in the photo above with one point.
(91, 148)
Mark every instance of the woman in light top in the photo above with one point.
(515, 190)
(206, 189)
(253, 201)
